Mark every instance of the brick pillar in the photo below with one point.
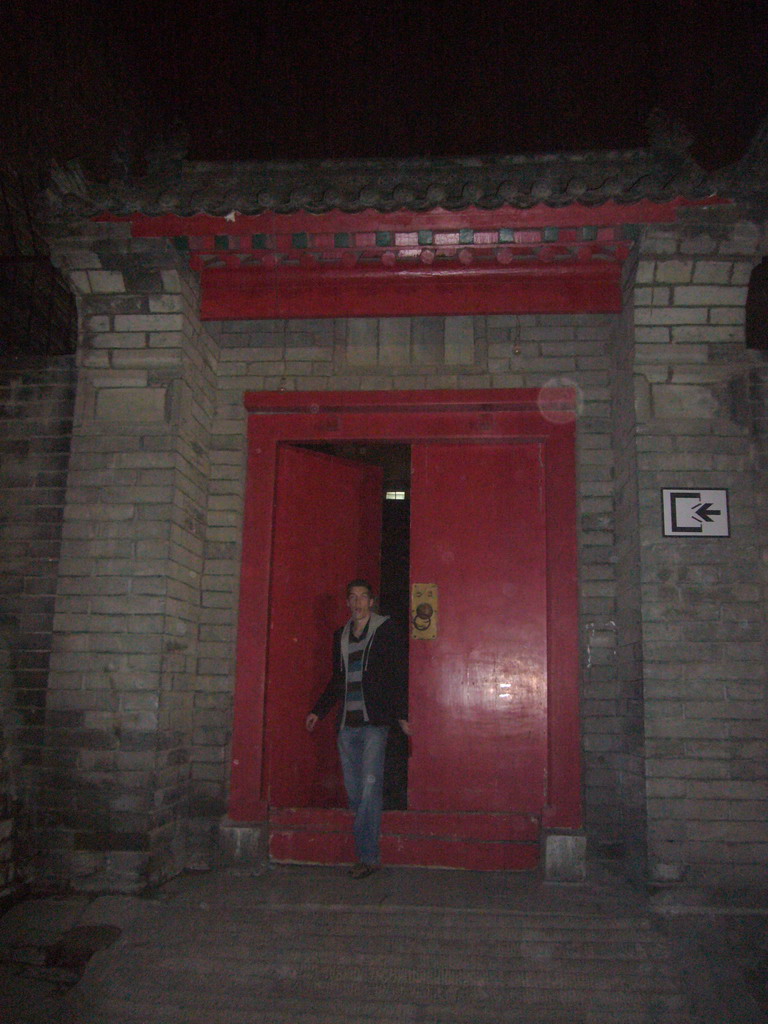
(115, 786)
(703, 607)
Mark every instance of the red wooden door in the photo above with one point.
(327, 531)
(493, 517)
(478, 692)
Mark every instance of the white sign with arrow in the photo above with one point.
(689, 512)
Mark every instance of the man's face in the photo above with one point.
(360, 603)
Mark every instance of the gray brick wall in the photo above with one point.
(36, 408)
(703, 602)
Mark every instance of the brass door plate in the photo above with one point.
(424, 611)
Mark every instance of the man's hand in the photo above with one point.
(405, 726)
(311, 722)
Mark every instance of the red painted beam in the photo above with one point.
(451, 400)
(292, 293)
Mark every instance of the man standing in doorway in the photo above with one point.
(370, 680)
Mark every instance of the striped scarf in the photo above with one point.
(354, 652)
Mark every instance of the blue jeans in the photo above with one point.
(362, 751)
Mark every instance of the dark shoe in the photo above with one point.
(362, 870)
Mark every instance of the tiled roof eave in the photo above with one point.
(418, 186)
(247, 207)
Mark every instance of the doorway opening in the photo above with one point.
(394, 461)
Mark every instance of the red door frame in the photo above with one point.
(403, 416)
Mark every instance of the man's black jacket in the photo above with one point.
(385, 678)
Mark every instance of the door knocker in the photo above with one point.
(422, 620)
(424, 611)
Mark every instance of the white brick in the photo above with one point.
(665, 315)
(741, 273)
(150, 359)
(645, 272)
(711, 272)
(362, 342)
(96, 360)
(149, 322)
(119, 379)
(165, 304)
(651, 296)
(171, 280)
(106, 282)
(674, 271)
(727, 315)
(698, 245)
(98, 323)
(459, 340)
(394, 341)
(652, 335)
(165, 339)
(671, 400)
(137, 405)
(744, 239)
(80, 282)
(78, 260)
(713, 334)
(659, 244)
(305, 353)
(709, 295)
(671, 353)
(111, 339)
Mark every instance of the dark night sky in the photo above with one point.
(286, 79)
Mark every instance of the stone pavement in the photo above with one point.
(412, 946)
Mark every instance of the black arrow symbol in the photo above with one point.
(706, 512)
